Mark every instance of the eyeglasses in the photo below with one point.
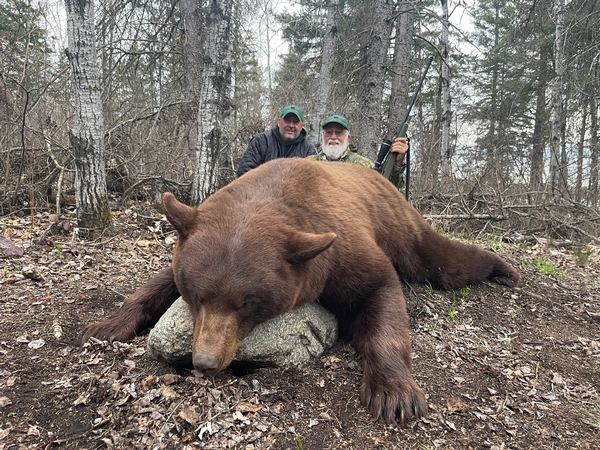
(331, 132)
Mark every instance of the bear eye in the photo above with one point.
(249, 304)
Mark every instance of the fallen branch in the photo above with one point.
(464, 216)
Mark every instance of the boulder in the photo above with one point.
(300, 334)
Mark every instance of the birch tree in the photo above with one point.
(193, 52)
(214, 100)
(87, 134)
(445, 156)
(325, 77)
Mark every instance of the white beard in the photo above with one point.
(336, 150)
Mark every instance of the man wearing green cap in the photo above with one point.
(285, 140)
(336, 140)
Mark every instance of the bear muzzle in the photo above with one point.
(207, 363)
(216, 338)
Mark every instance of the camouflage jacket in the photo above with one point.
(396, 177)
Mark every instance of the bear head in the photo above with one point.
(236, 268)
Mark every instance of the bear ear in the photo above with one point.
(181, 216)
(305, 246)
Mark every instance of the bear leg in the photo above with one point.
(140, 311)
(381, 336)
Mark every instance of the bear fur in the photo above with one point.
(294, 231)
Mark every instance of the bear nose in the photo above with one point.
(206, 363)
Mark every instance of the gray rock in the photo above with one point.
(300, 334)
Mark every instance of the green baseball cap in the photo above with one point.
(292, 109)
(340, 120)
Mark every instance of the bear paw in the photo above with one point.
(401, 403)
(108, 330)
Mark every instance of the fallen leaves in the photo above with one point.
(513, 369)
(455, 404)
(36, 344)
(9, 248)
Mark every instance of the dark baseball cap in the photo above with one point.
(340, 120)
(292, 109)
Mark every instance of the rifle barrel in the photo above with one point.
(414, 97)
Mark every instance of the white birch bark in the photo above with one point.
(445, 156)
(214, 100)
(87, 134)
(327, 61)
(192, 60)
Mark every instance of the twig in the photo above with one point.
(60, 176)
(579, 230)
(464, 216)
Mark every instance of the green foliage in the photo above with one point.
(304, 30)
(547, 268)
(452, 313)
(249, 86)
(506, 339)
(464, 292)
(429, 287)
(57, 252)
(298, 443)
(504, 74)
(19, 31)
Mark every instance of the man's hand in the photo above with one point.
(400, 147)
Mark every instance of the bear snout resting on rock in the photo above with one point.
(294, 231)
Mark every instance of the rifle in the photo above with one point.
(386, 159)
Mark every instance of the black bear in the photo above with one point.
(295, 231)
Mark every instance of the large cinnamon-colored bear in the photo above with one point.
(294, 231)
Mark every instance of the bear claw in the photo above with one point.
(106, 331)
(401, 407)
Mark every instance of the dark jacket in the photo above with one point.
(268, 145)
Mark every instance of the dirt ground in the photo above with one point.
(502, 368)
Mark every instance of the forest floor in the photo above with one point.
(502, 368)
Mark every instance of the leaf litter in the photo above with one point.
(502, 368)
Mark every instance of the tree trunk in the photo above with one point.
(87, 134)
(401, 65)
(492, 140)
(327, 60)
(594, 151)
(374, 68)
(193, 53)
(536, 172)
(557, 98)
(445, 152)
(580, 149)
(215, 101)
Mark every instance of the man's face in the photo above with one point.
(289, 127)
(335, 141)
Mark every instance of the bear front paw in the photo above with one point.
(401, 403)
(108, 330)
